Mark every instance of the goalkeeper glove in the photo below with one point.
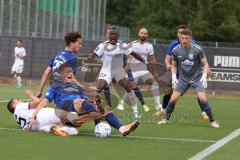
(203, 80)
(174, 81)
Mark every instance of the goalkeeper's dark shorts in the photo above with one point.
(183, 86)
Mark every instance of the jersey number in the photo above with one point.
(57, 64)
(21, 121)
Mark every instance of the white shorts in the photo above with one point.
(17, 67)
(107, 75)
(45, 117)
(142, 75)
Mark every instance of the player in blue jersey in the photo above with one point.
(69, 96)
(73, 44)
(168, 64)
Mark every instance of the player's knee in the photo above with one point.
(202, 100)
(78, 102)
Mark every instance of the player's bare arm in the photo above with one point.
(174, 67)
(42, 104)
(137, 56)
(44, 80)
(153, 66)
(35, 100)
(127, 65)
(167, 61)
(92, 57)
(205, 65)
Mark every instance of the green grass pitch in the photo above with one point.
(184, 137)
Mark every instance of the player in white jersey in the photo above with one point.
(17, 68)
(112, 52)
(139, 69)
(47, 120)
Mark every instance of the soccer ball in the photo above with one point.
(102, 130)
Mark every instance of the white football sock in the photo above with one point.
(19, 81)
(70, 130)
(132, 99)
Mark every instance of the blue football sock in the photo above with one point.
(87, 106)
(96, 121)
(113, 121)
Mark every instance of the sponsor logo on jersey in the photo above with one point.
(190, 56)
(187, 63)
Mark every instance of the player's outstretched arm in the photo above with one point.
(174, 72)
(92, 57)
(152, 66)
(167, 61)
(35, 100)
(42, 104)
(205, 65)
(137, 56)
(43, 81)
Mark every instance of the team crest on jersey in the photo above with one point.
(190, 56)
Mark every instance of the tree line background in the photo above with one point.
(210, 20)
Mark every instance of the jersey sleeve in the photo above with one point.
(151, 50)
(50, 94)
(99, 50)
(23, 106)
(201, 54)
(170, 48)
(174, 55)
(24, 52)
(50, 63)
(128, 51)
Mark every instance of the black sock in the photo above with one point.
(107, 95)
(139, 95)
(208, 110)
(200, 105)
(166, 99)
(170, 109)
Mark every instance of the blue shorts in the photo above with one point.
(67, 105)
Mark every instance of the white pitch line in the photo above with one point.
(204, 153)
(136, 137)
(160, 138)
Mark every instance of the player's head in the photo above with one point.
(180, 28)
(186, 37)
(19, 43)
(73, 41)
(142, 34)
(113, 35)
(66, 73)
(12, 104)
(108, 31)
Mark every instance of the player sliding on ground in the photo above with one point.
(69, 96)
(189, 58)
(47, 120)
